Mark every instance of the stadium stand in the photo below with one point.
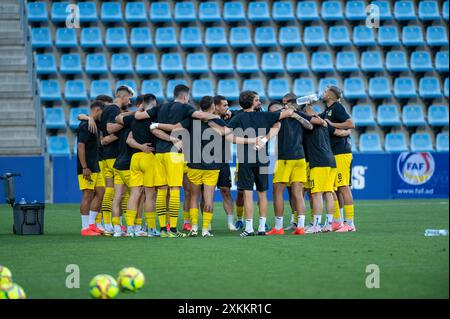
(370, 142)
(54, 118)
(421, 142)
(388, 115)
(363, 116)
(442, 142)
(413, 115)
(70, 64)
(395, 142)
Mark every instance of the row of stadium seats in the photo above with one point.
(240, 37)
(368, 142)
(258, 11)
(271, 62)
(354, 88)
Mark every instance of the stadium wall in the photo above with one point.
(374, 176)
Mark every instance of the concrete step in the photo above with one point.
(17, 132)
(25, 105)
(31, 150)
(14, 82)
(9, 10)
(17, 117)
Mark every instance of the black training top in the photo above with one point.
(91, 143)
(336, 113)
(142, 134)
(123, 159)
(109, 116)
(318, 147)
(290, 138)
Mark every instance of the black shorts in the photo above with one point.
(224, 177)
(249, 176)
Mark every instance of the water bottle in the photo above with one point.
(436, 232)
(22, 201)
(308, 99)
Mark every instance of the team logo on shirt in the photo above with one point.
(415, 168)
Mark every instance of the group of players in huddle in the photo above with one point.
(137, 162)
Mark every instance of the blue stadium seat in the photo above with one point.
(141, 38)
(296, 62)
(166, 38)
(171, 63)
(332, 11)
(404, 10)
(322, 62)
(277, 88)
(91, 38)
(324, 82)
(438, 115)
(388, 36)
(70, 64)
(429, 10)
(258, 11)
(209, 12)
(442, 142)
(58, 12)
(240, 37)
(184, 12)
(396, 61)
(88, 11)
(254, 85)
(191, 37)
(146, 64)
(96, 64)
(362, 116)
(283, 11)
(412, 36)
(429, 88)
(437, 36)
(222, 63)
(154, 87)
(37, 12)
(289, 37)
(45, 64)
(355, 10)
(363, 36)
(131, 83)
(354, 88)
(99, 87)
(339, 36)
(111, 12)
(384, 9)
(445, 10)
(233, 11)
(388, 115)
(371, 61)
(41, 38)
(171, 84)
(121, 63)
(317, 108)
(395, 142)
(54, 118)
(58, 145)
(229, 89)
(202, 87)
(247, 63)
(307, 11)
(160, 12)
(405, 88)
(75, 90)
(313, 36)
(346, 61)
(265, 37)
(49, 90)
(215, 37)
(304, 86)
(421, 61)
(413, 115)
(421, 142)
(446, 87)
(116, 38)
(73, 116)
(65, 38)
(441, 61)
(380, 88)
(370, 142)
(135, 12)
(197, 63)
(272, 62)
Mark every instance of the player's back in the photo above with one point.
(318, 147)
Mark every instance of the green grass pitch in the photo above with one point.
(390, 235)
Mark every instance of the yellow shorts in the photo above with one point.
(322, 179)
(307, 184)
(97, 180)
(343, 169)
(108, 167)
(142, 170)
(185, 168)
(290, 171)
(122, 177)
(203, 176)
(169, 169)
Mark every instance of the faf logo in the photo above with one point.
(415, 168)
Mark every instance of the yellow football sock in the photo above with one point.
(174, 207)
(124, 203)
(150, 217)
(349, 212)
(130, 216)
(107, 204)
(98, 219)
(207, 217)
(239, 212)
(194, 216)
(311, 216)
(138, 222)
(116, 221)
(161, 207)
(186, 216)
(295, 217)
(337, 211)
